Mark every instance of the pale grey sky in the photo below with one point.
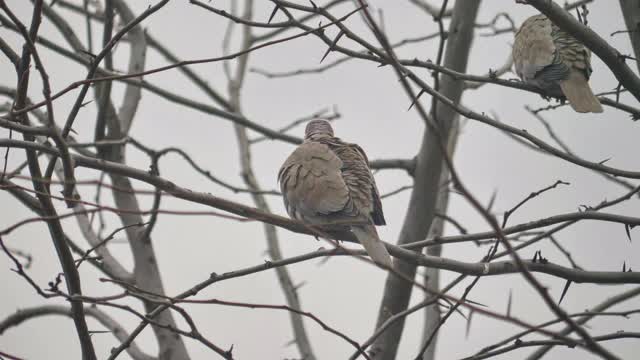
(343, 292)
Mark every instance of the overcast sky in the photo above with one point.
(342, 292)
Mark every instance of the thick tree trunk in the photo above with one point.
(422, 204)
(631, 13)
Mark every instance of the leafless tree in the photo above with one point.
(76, 74)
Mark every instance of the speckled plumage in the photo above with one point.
(328, 180)
(551, 59)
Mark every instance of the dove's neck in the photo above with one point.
(318, 136)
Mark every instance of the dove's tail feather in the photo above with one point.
(368, 237)
(579, 93)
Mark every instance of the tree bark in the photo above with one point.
(432, 275)
(429, 165)
(631, 13)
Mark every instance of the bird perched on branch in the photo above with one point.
(326, 180)
(551, 59)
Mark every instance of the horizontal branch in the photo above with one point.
(522, 344)
(509, 83)
(478, 269)
(535, 224)
(296, 226)
(177, 191)
(404, 164)
(22, 315)
(584, 317)
(510, 267)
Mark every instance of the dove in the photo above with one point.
(326, 180)
(549, 58)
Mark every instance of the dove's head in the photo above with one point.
(532, 22)
(318, 128)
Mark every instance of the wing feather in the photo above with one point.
(311, 182)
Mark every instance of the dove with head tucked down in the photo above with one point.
(551, 59)
(328, 180)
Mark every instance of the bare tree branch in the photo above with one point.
(586, 316)
(55, 229)
(108, 322)
(601, 307)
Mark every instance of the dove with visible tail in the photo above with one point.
(548, 57)
(328, 180)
